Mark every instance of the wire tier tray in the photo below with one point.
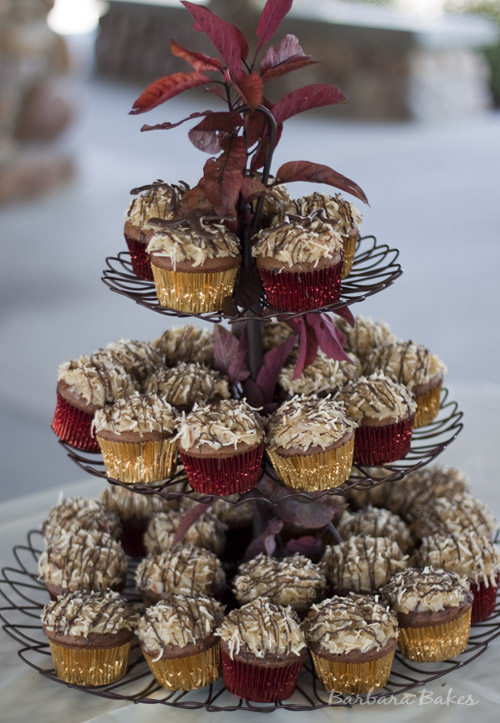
(24, 597)
(375, 268)
(427, 443)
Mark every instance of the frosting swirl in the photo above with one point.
(82, 613)
(292, 243)
(187, 384)
(186, 344)
(227, 424)
(183, 243)
(97, 379)
(159, 200)
(323, 375)
(207, 531)
(376, 398)
(430, 589)
(406, 362)
(84, 513)
(141, 413)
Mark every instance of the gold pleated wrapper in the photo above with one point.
(436, 642)
(90, 666)
(312, 472)
(428, 406)
(193, 292)
(139, 461)
(349, 246)
(351, 678)
(187, 672)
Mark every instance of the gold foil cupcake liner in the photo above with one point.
(193, 292)
(139, 461)
(312, 472)
(349, 246)
(187, 672)
(428, 406)
(90, 666)
(351, 678)
(433, 643)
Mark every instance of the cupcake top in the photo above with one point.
(306, 422)
(453, 516)
(158, 200)
(294, 581)
(323, 375)
(376, 397)
(275, 199)
(183, 569)
(362, 496)
(274, 333)
(141, 413)
(362, 563)
(293, 242)
(365, 335)
(262, 630)
(82, 613)
(187, 384)
(186, 344)
(131, 506)
(427, 590)
(406, 362)
(177, 622)
(71, 515)
(340, 625)
(207, 531)
(97, 379)
(466, 553)
(138, 358)
(422, 486)
(334, 207)
(232, 515)
(229, 423)
(83, 560)
(376, 522)
(195, 243)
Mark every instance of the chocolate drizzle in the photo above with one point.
(292, 242)
(84, 613)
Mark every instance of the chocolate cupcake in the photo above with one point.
(81, 513)
(207, 532)
(365, 336)
(323, 376)
(376, 522)
(187, 384)
(186, 344)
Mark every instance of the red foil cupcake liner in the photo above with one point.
(379, 445)
(225, 476)
(72, 426)
(260, 683)
(140, 259)
(484, 601)
(302, 291)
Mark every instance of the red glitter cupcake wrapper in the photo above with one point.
(140, 259)
(225, 476)
(484, 601)
(72, 426)
(260, 683)
(302, 291)
(379, 445)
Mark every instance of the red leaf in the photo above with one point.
(190, 518)
(204, 135)
(271, 18)
(318, 173)
(238, 370)
(346, 314)
(195, 200)
(199, 61)
(272, 364)
(225, 347)
(328, 336)
(224, 175)
(251, 187)
(165, 88)
(168, 126)
(222, 34)
(253, 393)
(315, 95)
(288, 57)
(250, 89)
(264, 542)
(308, 345)
(311, 547)
(242, 41)
(260, 155)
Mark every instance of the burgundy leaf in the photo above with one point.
(318, 173)
(252, 187)
(222, 35)
(272, 364)
(242, 41)
(256, 127)
(238, 370)
(253, 393)
(288, 57)
(165, 88)
(260, 155)
(346, 314)
(199, 61)
(195, 200)
(190, 518)
(271, 18)
(224, 175)
(327, 336)
(308, 345)
(204, 135)
(310, 514)
(216, 91)
(311, 547)
(250, 89)
(225, 348)
(264, 542)
(302, 99)
(168, 126)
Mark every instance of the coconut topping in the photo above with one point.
(453, 516)
(207, 531)
(274, 333)
(138, 358)
(308, 421)
(406, 362)
(276, 197)
(178, 621)
(341, 625)
(235, 516)
(159, 200)
(186, 344)
(334, 207)
(294, 581)
(323, 375)
(131, 506)
(72, 515)
(377, 523)
(142, 413)
(97, 379)
(185, 243)
(187, 384)
(430, 589)
(82, 613)
(227, 424)
(376, 397)
(262, 629)
(365, 335)
(422, 487)
(293, 243)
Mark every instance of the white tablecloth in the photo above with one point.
(27, 697)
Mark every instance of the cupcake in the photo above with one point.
(452, 516)
(186, 344)
(365, 336)
(84, 560)
(323, 376)
(183, 569)
(274, 333)
(178, 640)
(434, 611)
(83, 513)
(263, 649)
(293, 581)
(384, 411)
(414, 366)
(276, 199)
(138, 358)
(187, 384)
(221, 447)
(376, 522)
(470, 554)
(194, 265)
(158, 200)
(310, 443)
(136, 438)
(207, 532)
(362, 564)
(90, 635)
(352, 641)
(362, 495)
(85, 385)
(300, 264)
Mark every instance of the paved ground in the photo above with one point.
(433, 192)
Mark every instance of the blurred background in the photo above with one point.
(420, 134)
